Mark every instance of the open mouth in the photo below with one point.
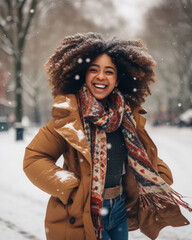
(100, 86)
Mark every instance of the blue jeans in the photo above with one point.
(115, 219)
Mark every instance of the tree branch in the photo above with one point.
(28, 22)
(187, 8)
(21, 3)
(20, 19)
(2, 27)
(6, 49)
(10, 10)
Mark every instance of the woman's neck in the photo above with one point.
(103, 102)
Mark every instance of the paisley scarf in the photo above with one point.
(97, 120)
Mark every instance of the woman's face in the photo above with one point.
(101, 77)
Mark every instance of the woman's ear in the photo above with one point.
(117, 83)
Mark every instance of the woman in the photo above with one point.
(112, 179)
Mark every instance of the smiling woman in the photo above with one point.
(112, 179)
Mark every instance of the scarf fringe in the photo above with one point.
(154, 200)
(98, 235)
(97, 221)
(180, 201)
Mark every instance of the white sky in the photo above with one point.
(134, 10)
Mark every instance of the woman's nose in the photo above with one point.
(101, 75)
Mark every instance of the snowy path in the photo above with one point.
(23, 206)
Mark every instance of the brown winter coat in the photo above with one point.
(68, 212)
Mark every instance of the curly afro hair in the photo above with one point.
(67, 66)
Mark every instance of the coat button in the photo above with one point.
(72, 220)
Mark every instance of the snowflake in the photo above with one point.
(80, 60)
(109, 146)
(77, 77)
(32, 11)
(104, 211)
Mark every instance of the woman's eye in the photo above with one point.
(93, 70)
(109, 72)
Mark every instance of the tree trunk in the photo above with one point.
(170, 111)
(190, 88)
(37, 116)
(18, 89)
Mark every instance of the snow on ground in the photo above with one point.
(23, 206)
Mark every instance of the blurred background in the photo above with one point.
(30, 30)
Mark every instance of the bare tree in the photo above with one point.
(15, 21)
(169, 36)
(53, 20)
(51, 24)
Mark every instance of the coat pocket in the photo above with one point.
(56, 220)
(56, 210)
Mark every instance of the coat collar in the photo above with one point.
(139, 119)
(68, 123)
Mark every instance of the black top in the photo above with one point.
(116, 155)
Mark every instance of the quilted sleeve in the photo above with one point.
(39, 164)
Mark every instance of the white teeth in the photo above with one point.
(100, 86)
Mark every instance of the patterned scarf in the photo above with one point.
(97, 120)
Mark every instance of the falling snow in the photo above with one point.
(109, 146)
(104, 211)
(77, 77)
(32, 11)
(80, 60)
